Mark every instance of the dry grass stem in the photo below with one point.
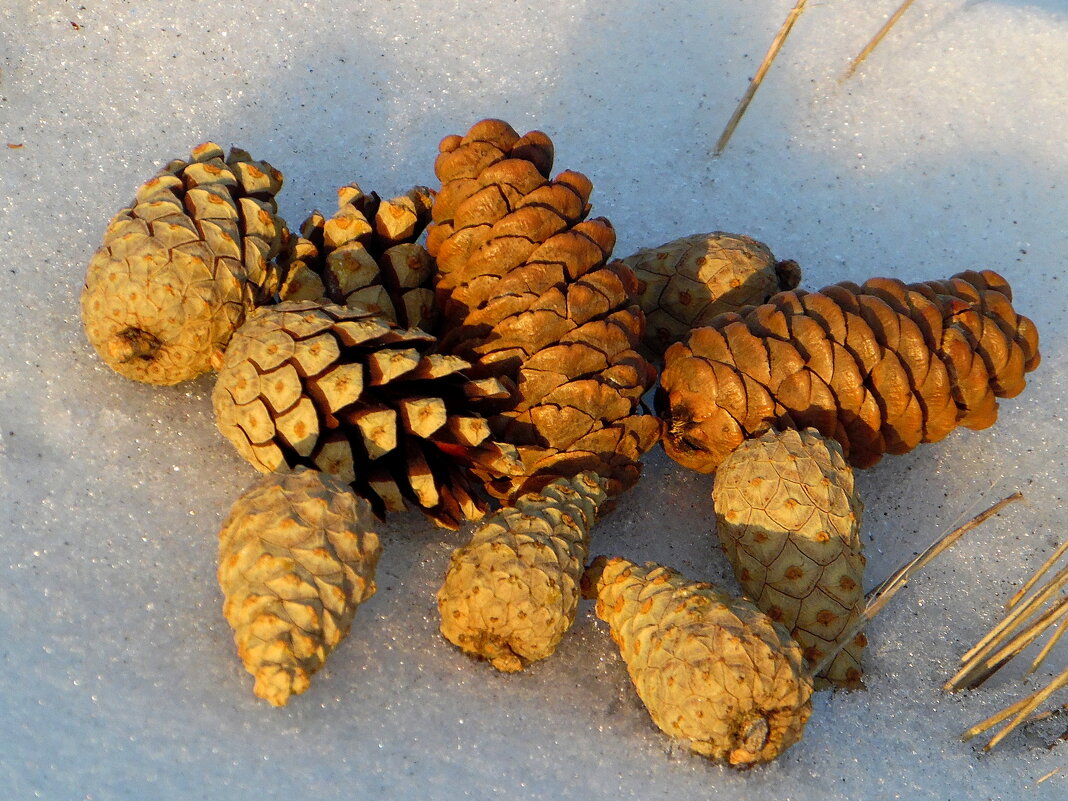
(773, 51)
(984, 665)
(1019, 614)
(1049, 646)
(1038, 574)
(1032, 703)
(881, 595)
(863, 54)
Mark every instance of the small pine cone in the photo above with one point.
(879, 367)
(342, 390)
(511, 593)
(788, 517)
(527, 294)
(183, 264)
(689, 281)
(296, 557)
(367, 253)
(713, 671)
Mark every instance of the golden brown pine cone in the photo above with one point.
(788, 517)
(183, 264)
(879, 367)
(511, 593)
(297, 556)
(343, 390)
(527, 294)
(713, 671)
(689, 281)
(367, 253)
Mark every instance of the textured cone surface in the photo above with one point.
(296, 558)
(512, 592)
(689, 281)
(527, 294)
(367, 254)
(342, 390)
(712, 670)
(788, 517)
(879, 367)
(181, 266)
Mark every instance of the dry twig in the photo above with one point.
(863, 54)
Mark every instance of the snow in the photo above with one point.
(944, 152)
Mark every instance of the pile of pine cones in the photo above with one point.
(474, 352)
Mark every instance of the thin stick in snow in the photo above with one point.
(773, 51)
(863, 54)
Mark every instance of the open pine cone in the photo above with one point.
(342, 390)
(527, 294)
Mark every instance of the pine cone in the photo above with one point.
(788, 517)
(689, 281)
(366, 253)
(879, 367)
(340, 389)
(182, 265)
(296, 557)
(526, 294)
(712, 670)
(511, 593)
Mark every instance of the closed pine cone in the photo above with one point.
(343, 390)
(182, 265)
(367, 253)
(788, 517)
(689, 281)
(879, 367)
(296, 558)
(712, 670)
(527, 294)
(511, 593)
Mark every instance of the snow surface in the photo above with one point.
(119, 679)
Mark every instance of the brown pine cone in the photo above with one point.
(527, 294)
(367, 253)
(689, 281)
(879, 367)
(342, 390)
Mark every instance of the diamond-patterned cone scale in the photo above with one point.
(689, 281)
(880, 367)
(527, 294)
(788, 517)
(712, 670)
(367, 254)
(511, 593)
(342, 390)
(181, 266)
(296, 558)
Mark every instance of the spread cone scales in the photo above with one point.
(880, 367)
(342, 390)
(181, 266)
(366, 253)
(788, 517)
(296, 557)
(512, 592)
(527, 294)
(688, 281)
(712, 670)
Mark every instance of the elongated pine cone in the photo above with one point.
(512, 592)
(712, 670)
(367, 253)
(183, 264)
(788, 517)
(296, 558)
(527, 294)
(880, 367)
(343, 390)
(689, 281)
